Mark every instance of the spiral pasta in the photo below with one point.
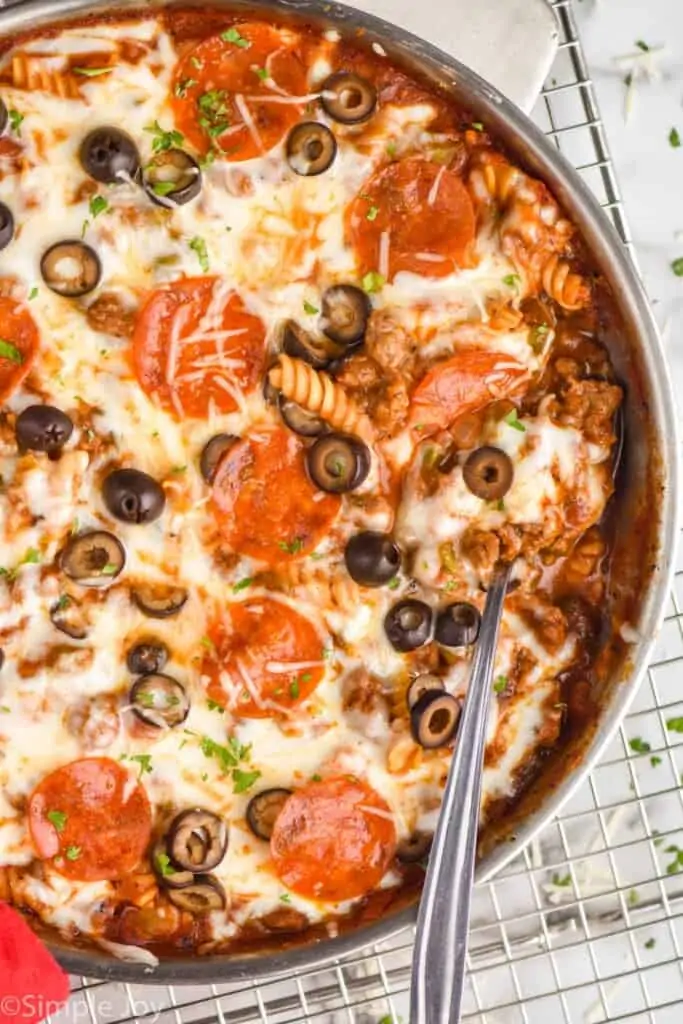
(569, 290)
(319, 394)
(32, 74)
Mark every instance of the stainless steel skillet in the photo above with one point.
(648, 481)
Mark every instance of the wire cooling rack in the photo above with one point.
(586, 925)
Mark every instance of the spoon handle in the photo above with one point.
(443, 920)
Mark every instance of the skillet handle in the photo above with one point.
(443, 919)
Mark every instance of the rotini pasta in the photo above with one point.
(32, 74)
(568, 289)
(318, 393)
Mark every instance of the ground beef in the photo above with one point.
(588, 405)
(481, 548)
(362, 692)
(389, 344)
(110, 315)
(547, 621)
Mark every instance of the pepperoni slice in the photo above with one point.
(412, 215)
(195, 347)
(265, 658)
(333, 840)
(233, 91)
(468, 381)
(264, 501)
(18, 345)
(90, 820)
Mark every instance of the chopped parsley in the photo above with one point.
(145, 697)
(562, 880)
(500, 684)
(391, 149)
(93, 72)
(110, 569)
(145, 762)
(316, 778)
(33, 293)
(15, 119)
(242, 781)
(261, 73)
(512, 419)
(206, 161)
(374, 282)
(674, 724)
(633, 897)
(294, 689)
(196, 63)
(163, 862)
(394, 583)
(654, 760)
(207, 642)
(650, 944)
(58, 819)
(164, 140)
(639, 746)
(228, 756)
(286, 898)
(164, 188)
(512, 280)
(213, 705)
(98, 205)
(677, 266)
(674, 138)
(73, 852)
(4, 710)
(372, 213)
(242, 584)
(642, 46)
(213, 112)
(183, 85)
(178, 469)
(198, 246)
(232, 36)
(292, 547)
(310, 308)
(537, 336)
(677, 863)
(478, 126)
(10, 351)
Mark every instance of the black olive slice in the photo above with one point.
(338, 463)
(172, 175)
(133, 496)
(42, 428)
(197, 840)
(159, 700)
(6, 226)
(488, 473)
(311, 148)
(301, 421)
(425, 683)
(317, 352)
(169, 876)
(202, 896)
(4, 116)
(147, 656)
(372, 558)
(434, 719)
(457, 625)
(263, 809)
(414, 848)
(408, 625)
(109, 155)
(348, 98)
(212, 453)
(159, 602)
(71, 268)
(67, 616)
(345, 313)
(93, 559)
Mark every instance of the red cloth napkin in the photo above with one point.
(32, 985)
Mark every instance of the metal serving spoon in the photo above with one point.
(443, 920)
